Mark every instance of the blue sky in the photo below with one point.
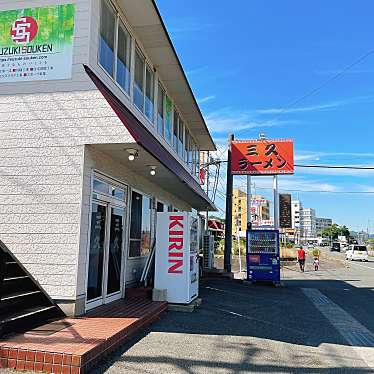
(248, 60)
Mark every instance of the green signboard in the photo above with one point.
(36, 43)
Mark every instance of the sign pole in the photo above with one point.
(276, 202)
(249, 200)
(238, 242)
(228, 221)
(207, 193)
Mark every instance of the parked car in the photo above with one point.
(335, 247)
(357, 252)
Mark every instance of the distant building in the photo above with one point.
(308, 223)
(296, 208)
(322, 224)
(259, 211)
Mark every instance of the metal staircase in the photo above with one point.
(23, 303)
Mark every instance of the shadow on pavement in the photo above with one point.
(230, 314)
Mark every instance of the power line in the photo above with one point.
(336, 167)
(316, 191)
(324, 84)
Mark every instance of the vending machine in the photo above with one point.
(176, 257)
(263, 259)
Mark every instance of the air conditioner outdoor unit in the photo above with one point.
(208, 251)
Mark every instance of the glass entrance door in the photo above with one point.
(114, 263)
(105, 261)
(97, 250)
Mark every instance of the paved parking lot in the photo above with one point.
(318, 322)
(261, 329)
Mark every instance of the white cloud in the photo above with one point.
(339, 172)
(318, 107)
(205, 99)
(290, 183)
(228, 120)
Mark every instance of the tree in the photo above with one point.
(334, 231)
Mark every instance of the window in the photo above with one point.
(107, 28)
(180, 139)
(197, 161)
(140, 225)
(123, 58)
(160, 110)
(160, 207)
(149, 93)
(190, 153)
(168, 118)
(139, 80)
(175, 130)
(186, 144)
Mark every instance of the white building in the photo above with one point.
(308, 223)
(296, 209)
(80, 136)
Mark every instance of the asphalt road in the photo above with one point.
(318, 322)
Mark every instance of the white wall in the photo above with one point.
(41, 160)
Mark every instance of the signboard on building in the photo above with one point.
(262, 157)
(36, 43)
(285, 215)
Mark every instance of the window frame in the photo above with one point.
(135, 47)
(119, 23)
(129, 224)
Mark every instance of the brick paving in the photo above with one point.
(78, 347)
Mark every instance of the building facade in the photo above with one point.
(322, 224)
(90, 155)
(296, 213)
(259, 211)
(308, 223)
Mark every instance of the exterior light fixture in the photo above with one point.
(153, 170)
(133, 154)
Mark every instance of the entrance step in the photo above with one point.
(141, 292)
(79, 346)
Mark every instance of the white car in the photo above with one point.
(357, 252)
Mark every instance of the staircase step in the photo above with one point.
(20, 283)
(29, 318)
(17, 295)
(12, 269)
(25, 313)
(16, 278)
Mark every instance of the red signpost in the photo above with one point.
(262, 157)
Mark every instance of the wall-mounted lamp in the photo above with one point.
(133, 154)
(152, 170)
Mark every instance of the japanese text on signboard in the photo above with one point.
(259, 157)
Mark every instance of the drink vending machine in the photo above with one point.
(263, 259)
(176, 260)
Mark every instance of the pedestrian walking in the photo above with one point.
(301, 258)
(316, 263)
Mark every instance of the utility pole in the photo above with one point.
(228, 225)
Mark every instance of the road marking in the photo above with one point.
(364, 266)
(356, 334)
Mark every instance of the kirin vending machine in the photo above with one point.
(263, 259)
(176, 261)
